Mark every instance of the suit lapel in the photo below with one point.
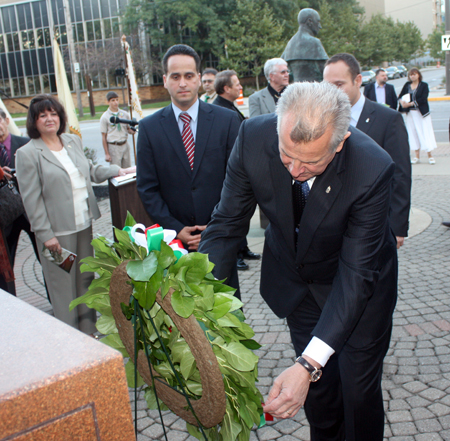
(322, 196)
(268, 101)
(367, 117)
(205, 121)
(282, 185)
(170, 127)
(46, 153)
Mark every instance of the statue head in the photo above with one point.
(310, 19)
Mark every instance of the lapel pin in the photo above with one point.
(328, 190)
(367, 120)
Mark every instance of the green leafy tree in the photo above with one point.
(433, 42)
(253, 37)
(339, 30)
(198, 23)
(408, 38)
(375, 43)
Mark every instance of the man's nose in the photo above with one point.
(296, 168)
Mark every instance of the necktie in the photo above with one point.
(300, 192)
(207, 98)
(4, 158)
(188, 138)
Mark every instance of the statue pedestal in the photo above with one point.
(57, 383)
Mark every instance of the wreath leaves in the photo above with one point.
(196, 292)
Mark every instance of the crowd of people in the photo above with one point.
(328, 165)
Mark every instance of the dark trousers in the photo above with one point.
(346, 404)
(12, 239)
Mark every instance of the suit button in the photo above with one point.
(193, 219)
(301, 266)
(309, 281)
(193, 188)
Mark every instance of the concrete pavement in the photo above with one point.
(416, 379)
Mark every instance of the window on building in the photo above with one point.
(107, 28)
(98, 30)
(116, 27)
(46, 84)
(87, 10)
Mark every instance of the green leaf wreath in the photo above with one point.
(196, 292)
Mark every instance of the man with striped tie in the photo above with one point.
(182, 151)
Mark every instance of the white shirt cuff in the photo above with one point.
(319, 351)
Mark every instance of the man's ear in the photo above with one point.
(339, 148)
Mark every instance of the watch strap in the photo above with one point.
(314, 373)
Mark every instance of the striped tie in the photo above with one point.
(188, 138)
(4, 158)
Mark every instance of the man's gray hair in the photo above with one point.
(315, 107)
(270, 65)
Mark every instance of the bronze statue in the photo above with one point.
(304, 53)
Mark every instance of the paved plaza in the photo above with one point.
(416, 378)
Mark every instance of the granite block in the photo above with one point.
(56, 382)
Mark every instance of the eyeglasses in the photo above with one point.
(208, 81)
(285, 71)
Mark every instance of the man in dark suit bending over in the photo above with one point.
(330, 260)
(182, 151)
(386, 127)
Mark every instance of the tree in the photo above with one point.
(433, 42)
(254, 36)
(198, 23)
(408, 38)
(339, 31)
(374, 43)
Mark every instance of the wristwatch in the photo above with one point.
(314, 373)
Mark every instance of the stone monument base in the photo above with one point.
(57, 383)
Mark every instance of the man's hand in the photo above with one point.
(131, 131)
(288, 393)
(400, 241)
(126, 171)
(107, 157)
(5, 171)
(53, 245)
(191, 240)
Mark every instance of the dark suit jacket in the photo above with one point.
(391, 96)
(222, 102)
(346, 253)
(16, 143)
(386, 127)
(173, 195)
(421, 98)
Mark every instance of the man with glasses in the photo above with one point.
(208, 77)
(264, 101)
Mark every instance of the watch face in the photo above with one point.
(315, 376)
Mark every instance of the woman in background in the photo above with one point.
(55, 182)
(413, 100)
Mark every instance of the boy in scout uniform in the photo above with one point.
(115, 136)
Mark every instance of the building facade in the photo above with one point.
(26, 32)
(427, 15)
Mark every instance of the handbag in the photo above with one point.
(11, 205)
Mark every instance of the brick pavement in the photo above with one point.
(416, 378)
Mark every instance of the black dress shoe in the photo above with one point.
(446, 224)
(250, 255)
(241, 265)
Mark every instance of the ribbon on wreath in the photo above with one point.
(150, 238)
